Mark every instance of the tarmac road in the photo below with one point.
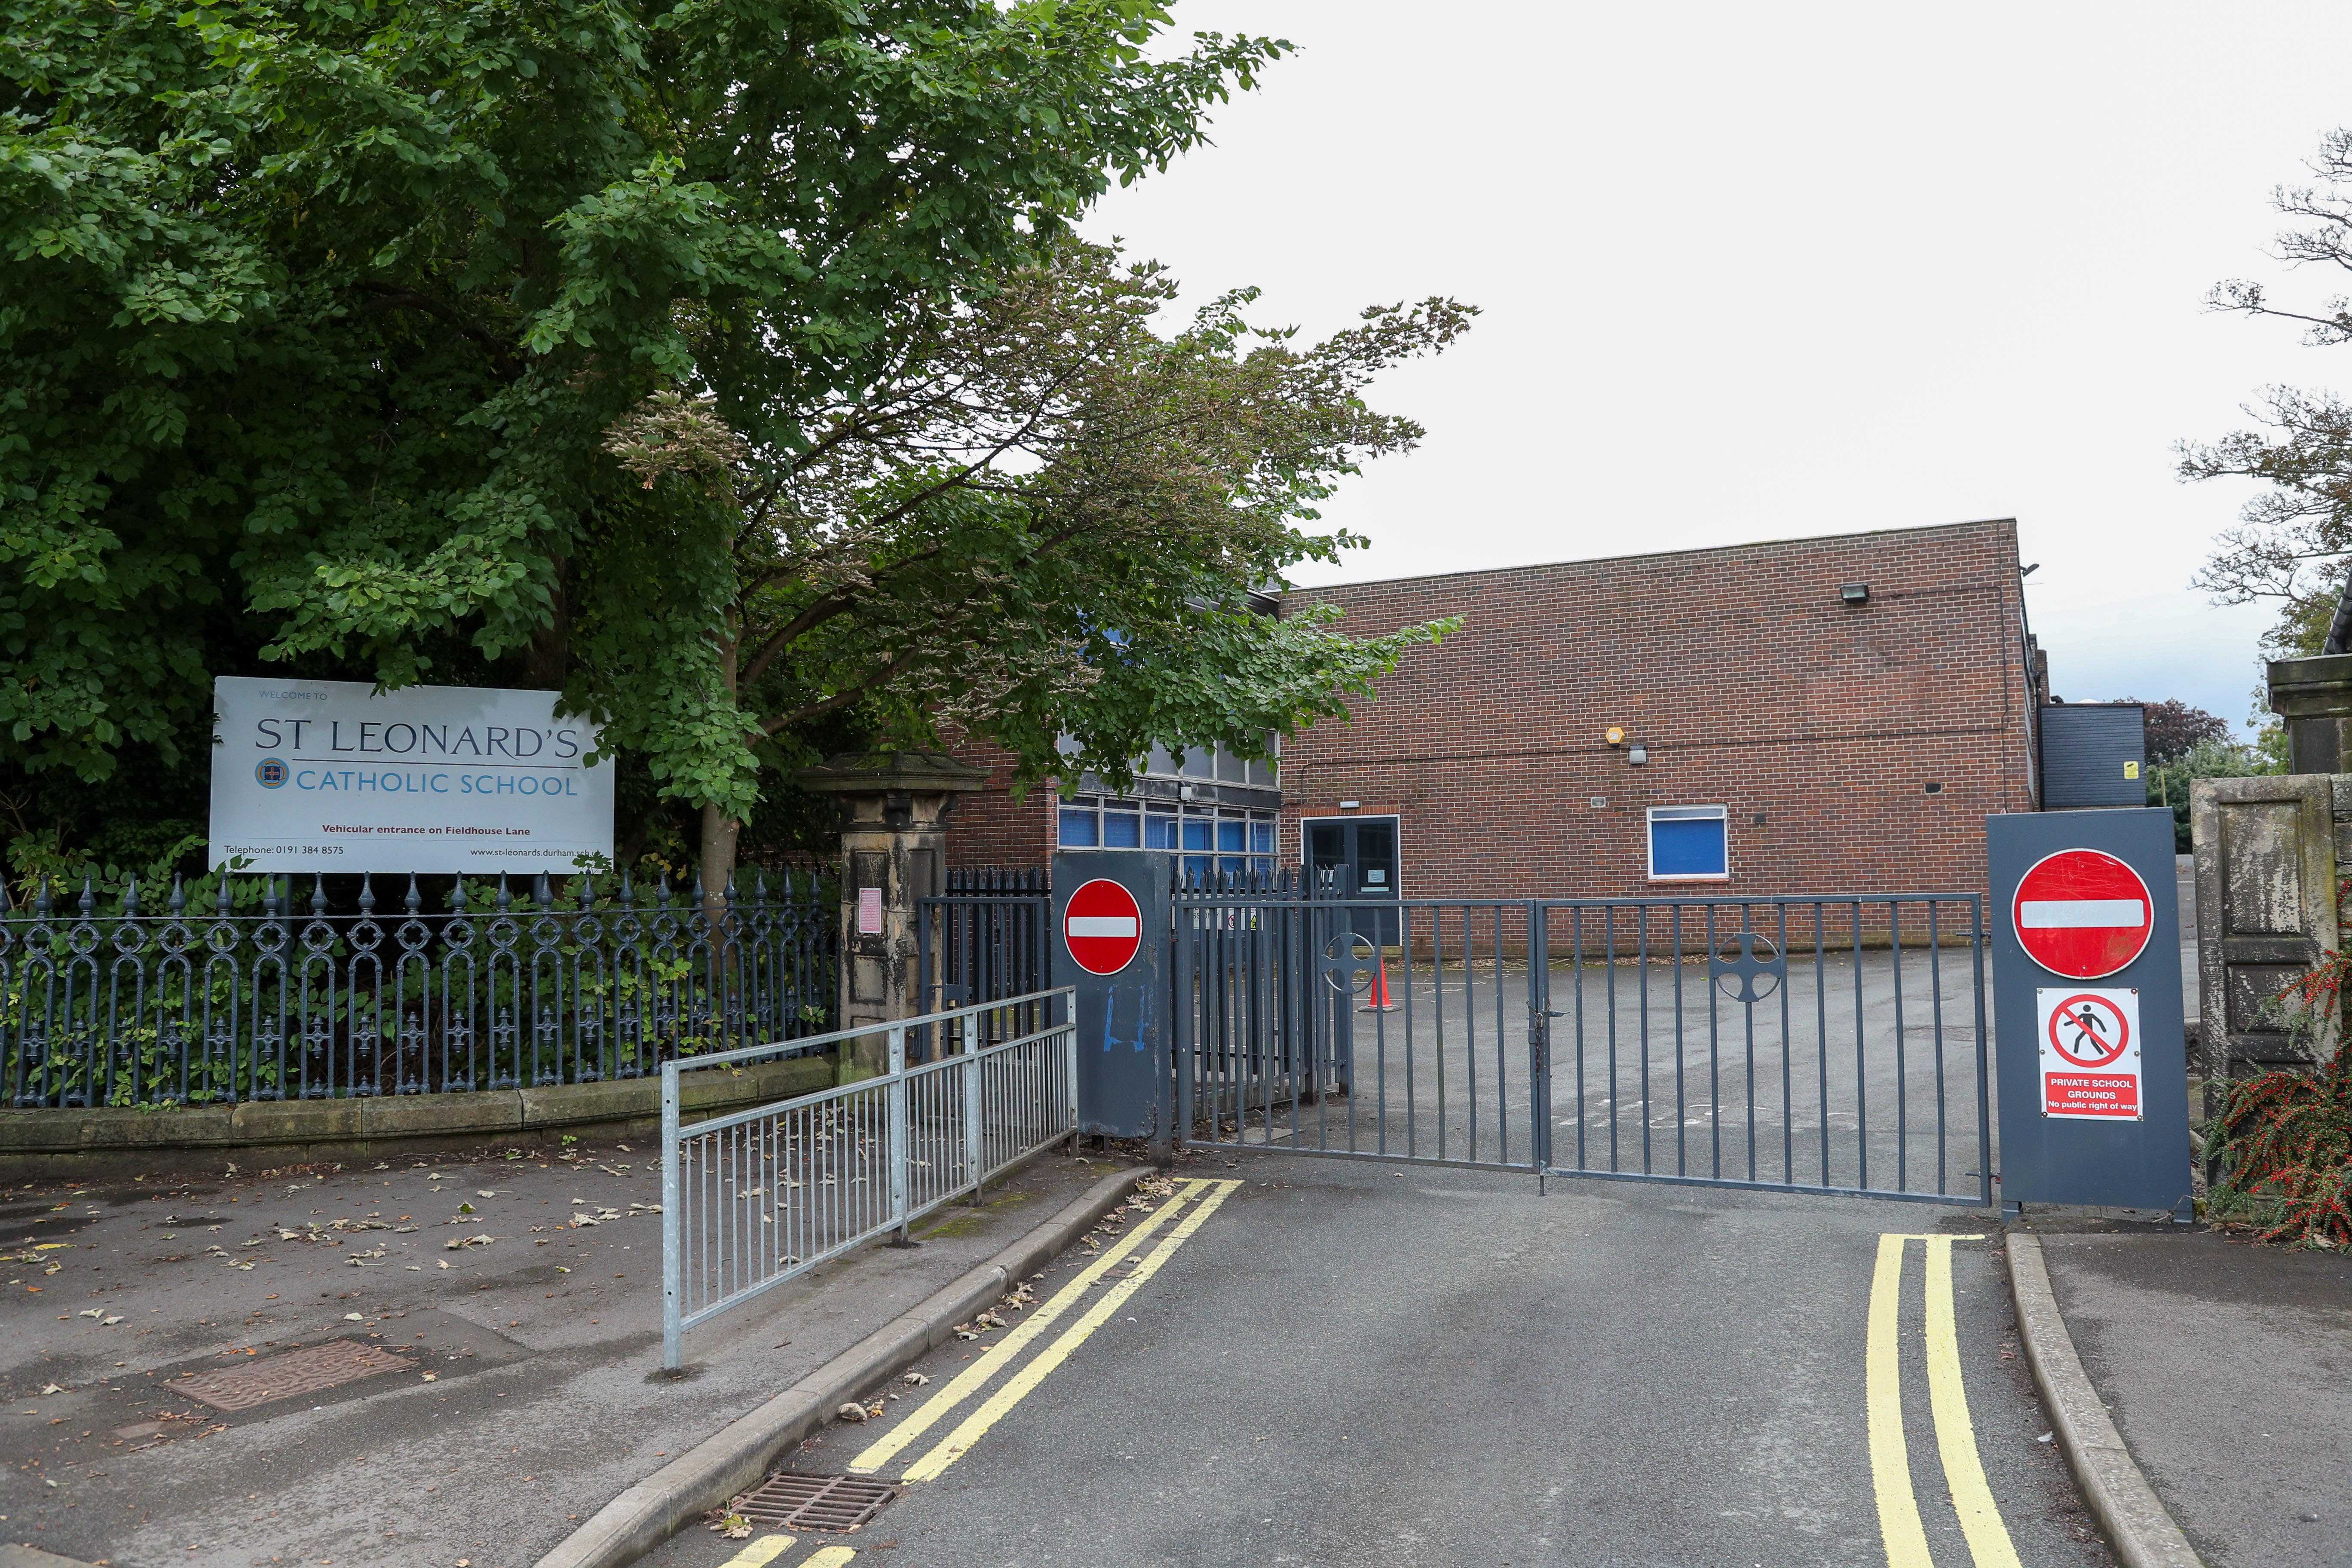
(1348, 1365)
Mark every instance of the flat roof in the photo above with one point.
(1645, 554)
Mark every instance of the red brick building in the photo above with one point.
(1804, 715)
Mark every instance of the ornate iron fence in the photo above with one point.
(255, 1000)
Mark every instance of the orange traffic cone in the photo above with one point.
(1378, 1002)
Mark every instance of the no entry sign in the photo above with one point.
(2081, 913)
(1103, 927)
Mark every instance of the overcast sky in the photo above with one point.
(1756, 272)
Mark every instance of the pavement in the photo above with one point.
(481, 1340)
(2228, 1369)
(1351, 1365)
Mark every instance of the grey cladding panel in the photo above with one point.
(2085, 747)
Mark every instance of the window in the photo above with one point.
(1202, 838)
(1689, 843)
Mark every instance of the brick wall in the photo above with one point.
(1751, 684)
(989, 827)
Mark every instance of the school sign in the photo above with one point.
(324, 776)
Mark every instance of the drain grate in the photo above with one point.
(816, 1502)
(283, 1376)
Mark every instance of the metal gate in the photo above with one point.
(1820, 1044)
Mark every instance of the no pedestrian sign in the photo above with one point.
(2090, 1053)
(2081, 913)
(1103, 926)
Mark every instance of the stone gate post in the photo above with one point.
(893, 806)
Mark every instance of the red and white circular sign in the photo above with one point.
(2081, 913)
(1103, 926)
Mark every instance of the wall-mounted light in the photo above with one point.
(1349, 805)
(2029, 571)
(1855, 592)
(1637, 755)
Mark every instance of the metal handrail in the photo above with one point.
(973, 1113)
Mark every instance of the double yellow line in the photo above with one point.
(1956, 1439)
(1202, 1197)
(768, 1548)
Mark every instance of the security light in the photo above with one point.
(1855, 592)
(1637, 755)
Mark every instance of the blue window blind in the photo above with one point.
(1688, 841)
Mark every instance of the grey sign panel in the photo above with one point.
(2092, 1061)
(2093, 755)
(1123, 1055)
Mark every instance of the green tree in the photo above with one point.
(352, 315)
(1041, 523)
(2294, 540)
(2168, 780)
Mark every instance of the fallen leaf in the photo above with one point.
(853, 1412)
(915, 1379)
(353, 1317)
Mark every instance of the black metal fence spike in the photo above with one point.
(506, 894)
(327, 1010)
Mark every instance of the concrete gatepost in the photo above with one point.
(2314, 697)
(894, 807)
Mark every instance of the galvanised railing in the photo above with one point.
(757, 1197)
(256, 1001)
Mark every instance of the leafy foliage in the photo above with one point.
(2285, 1137)
(2293, 541)
(1043, 523)
(2168, 782)
(726, 363)
(2175, 729)
(327, 312)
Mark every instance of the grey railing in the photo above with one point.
(255, 999)
(1835, 1043)
(757, 1197)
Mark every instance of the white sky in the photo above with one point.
(1759, 271)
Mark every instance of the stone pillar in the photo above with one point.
(2314, 697)
(893, 806)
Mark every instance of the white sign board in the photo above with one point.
(322, 775)
(2090, 1052)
